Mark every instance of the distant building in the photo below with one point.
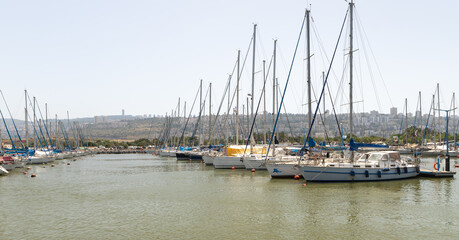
(104, 118)
(96, 119)
(122, 112)
(393, 111)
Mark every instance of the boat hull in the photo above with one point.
(283, 170)
(348, 174)
(228, 162)
(208, 160)
(252, 163)
(182, 156)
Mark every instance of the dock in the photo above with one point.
(436, 174)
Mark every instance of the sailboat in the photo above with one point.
(372, 166)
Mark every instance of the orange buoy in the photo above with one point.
(25, 173)
(253, 169)
(28, 168)
(457, 165)
(233, 168)
(436, 166)
(68, 163)
(297, 177)
(52, 165)
(304, 184)
(33, 175)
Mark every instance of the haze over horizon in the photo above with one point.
(99, 57)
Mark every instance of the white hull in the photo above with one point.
(253, 163)
(208, 160)
(349, 174)
(171, 154)
(283, 170)
(3, 171)
(228, 162)
(38, 160)
(164, 154)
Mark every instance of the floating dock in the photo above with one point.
(436, 174)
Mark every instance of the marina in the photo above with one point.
(150, 197)
(316, 120)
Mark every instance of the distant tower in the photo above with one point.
(393, 111)
(122, 112)
(96, 119)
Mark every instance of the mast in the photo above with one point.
(237, 96)
(200, 107)
(325, 117)
(56, 134)
(274, 83)
(439, 120)
(406, 121)
(264, 104)
(253, 71)
(420, 109)
(351, 19)
(308, 52)
(26, 123)
(34, 126)
(210, 110)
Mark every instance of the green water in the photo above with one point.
(147, 197)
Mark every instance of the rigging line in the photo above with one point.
(285, 88)
(188, 119)
(8, 131)
(36, 133)
(414, 123)
(334, 113)
(321, 116)
(370, 71)
(199, 116)
(258, 106)
(286, 115)
(326, 79)
(373, 55)
(427, 123)
(11, 116)
(36, 118)
(234, 93)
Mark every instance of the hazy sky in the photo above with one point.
(95, 57)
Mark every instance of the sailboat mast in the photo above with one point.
(438, 103)
(210, 110)
(308, 54)
(26, 123)
(34, 125)
(264, 104)
(351, 19)
(406, 121)
(237, 96)
(200, 107)
(253, 70)
(274, 83)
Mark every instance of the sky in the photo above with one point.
(97, 57)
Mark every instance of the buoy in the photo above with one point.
(233, 168)
(457, 165)
(25, 173)
(68, 163)
(436, 165)
(33, 175)
(297, 177)
(28, 168)
(52, 165)
(304, 184)
(253, 169)
(74, 159)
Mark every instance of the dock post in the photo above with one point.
(447, 163)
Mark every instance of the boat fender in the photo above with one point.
(353, 173)
(367, 174)
(379, 173)
(418, 169)
(436, 166)
(398, 170)
(405, 169)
